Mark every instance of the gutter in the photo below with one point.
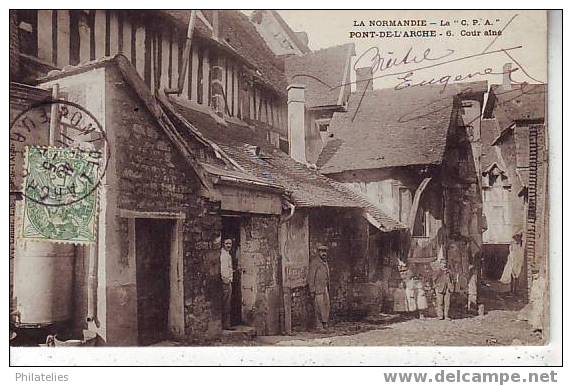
(226, 180)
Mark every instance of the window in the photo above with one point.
(322, 125)
(28, 31)
(284, 145)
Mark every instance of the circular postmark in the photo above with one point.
(58, 153)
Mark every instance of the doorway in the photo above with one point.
(494, 260)
(153, 260)
(231, 230)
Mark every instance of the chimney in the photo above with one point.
(506, 71)
(364, 79)
(296, 122)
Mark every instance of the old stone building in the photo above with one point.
(320, 211)
(518, 113)
(325, 77)
(191, 167)
(410, 153)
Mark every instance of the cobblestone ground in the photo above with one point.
(499, 326)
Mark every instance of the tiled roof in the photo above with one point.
(523, 102)
(489, 132)
(390, 128)
(325, 73)
(239, 35)
(23, 96)
(307, 187)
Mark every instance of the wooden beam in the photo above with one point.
(140, 50)
(165, 61)
(84, 37)
(148, 60)
(127, 213)
(127, 38)
(113, 34)
(206, 73)
(63, 56)
(45, 43)
(174, 61)
(187, 86)
(194, 73)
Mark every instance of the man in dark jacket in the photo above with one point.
(443, 289)
(319, 283)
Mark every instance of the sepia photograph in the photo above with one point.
(261, 178)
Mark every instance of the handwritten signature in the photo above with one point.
(379, 63)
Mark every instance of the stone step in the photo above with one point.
(240, 332)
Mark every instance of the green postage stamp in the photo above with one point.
(60, 194)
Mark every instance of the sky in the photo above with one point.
(524, 34)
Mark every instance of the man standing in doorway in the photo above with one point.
(443, 289)
(319, 283)
(226, 276)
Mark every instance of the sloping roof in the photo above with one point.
(133, 79)
(489, 132)
(523, 102)
(239, 36)
(23, 96)
(390, 128)
(323, 72)
(293, 35)
(306, 187)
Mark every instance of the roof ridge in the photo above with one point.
(321, 50)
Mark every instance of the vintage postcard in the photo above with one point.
(184, 178)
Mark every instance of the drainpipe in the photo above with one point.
(54, 115)
(92, 284)
(186, 56)
(285, 309)
(291, 214)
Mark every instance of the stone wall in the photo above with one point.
(154, 177)
(341, 231)
(14, 47)
(260, 273)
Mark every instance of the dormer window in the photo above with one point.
(323, 126)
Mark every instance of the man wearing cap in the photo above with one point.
(319, 283)
(443, 288)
